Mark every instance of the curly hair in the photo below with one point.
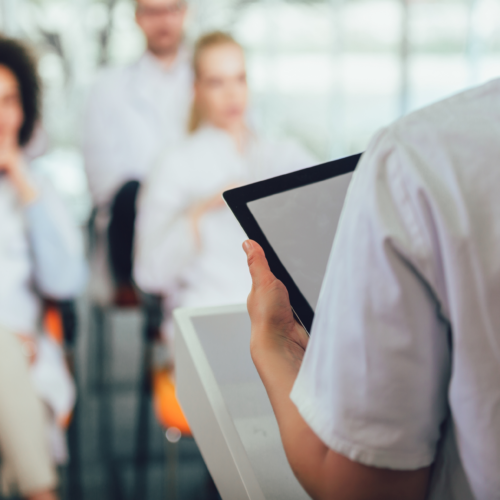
(17, 58)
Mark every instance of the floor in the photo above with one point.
(104, 467)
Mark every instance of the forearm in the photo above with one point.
(163, 250)
(306, 453)
(322, 472)
(27, 191)
(60, 269)
(278, 345)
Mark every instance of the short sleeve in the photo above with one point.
(374, 378)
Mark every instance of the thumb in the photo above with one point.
(257, 264)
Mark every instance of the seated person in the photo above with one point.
(396, 393)
(41, 255)
(185, 235)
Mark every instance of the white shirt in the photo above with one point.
(167, 260)
(133, 114)
(41, 254)
(403, 364)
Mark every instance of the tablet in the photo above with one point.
(294, 218)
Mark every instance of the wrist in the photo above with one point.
(25, 186)
(269, 348)
(27, 191)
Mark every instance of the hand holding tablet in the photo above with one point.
(294, 218)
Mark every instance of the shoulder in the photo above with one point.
(283, 155)
(457, 121)
(183, 161)
(202, 149)
(196, 163)
(294, 149)
(192, 148)
(110, 81)
(107, 78)
(441, 137)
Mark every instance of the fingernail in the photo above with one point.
(247, 246)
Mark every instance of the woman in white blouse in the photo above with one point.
(188, 244)
(41, 255)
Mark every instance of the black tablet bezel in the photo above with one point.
(238, 198)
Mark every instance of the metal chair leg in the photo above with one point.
(75, 491)
(172, 468)
(142, 427)
(104, 396)
(97, 376)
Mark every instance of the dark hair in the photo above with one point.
(17, 58)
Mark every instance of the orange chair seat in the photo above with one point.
(167, 408)
(53, 325)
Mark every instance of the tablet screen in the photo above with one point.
(294, 218)
(300, 225)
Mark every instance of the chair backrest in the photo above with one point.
(60, 321)
(152, 306)
(167, 408)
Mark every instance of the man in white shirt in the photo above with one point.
(133, 114)
(397, 395)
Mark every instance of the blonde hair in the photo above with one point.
(214, 39)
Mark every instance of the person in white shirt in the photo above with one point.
(41, 256)
(396, 393)
(186, 237)
(133, 114)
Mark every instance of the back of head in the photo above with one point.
(204, 43)
(16, 58)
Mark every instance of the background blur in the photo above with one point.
(328, 72)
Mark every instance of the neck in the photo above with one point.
(239, 134)
(167, 58)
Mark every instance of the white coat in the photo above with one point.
(402, 369)
(41, 255)
(168, 260)
(133, 114)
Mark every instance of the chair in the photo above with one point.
(157, 386)
(60, 321)
(171, 417)
(100, 351)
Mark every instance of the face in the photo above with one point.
(221, 90)
(162, 23)
(11, 109)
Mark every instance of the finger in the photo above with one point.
(257, 264)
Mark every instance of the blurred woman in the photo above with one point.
(187, 240)
(40, 256)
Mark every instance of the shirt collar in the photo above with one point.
(216, 133)
(150, 61)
